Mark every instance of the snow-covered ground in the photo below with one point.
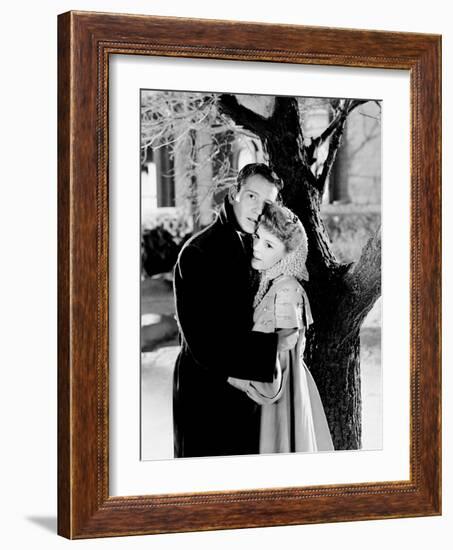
(157, 390)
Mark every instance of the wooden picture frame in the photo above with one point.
(85, 41)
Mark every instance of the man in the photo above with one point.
(214, 307)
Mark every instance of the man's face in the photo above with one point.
(250, 199)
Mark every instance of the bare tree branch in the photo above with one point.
(335, 131)
(321, 139)
(337, 120)
(333, 148)
(368, 268)
(354, 103)
(363, 279)
(365, 115)
(242, 116)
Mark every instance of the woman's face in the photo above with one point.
(267, 249)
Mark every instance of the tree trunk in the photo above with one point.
(335, 366)
(339, 178)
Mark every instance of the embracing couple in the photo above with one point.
(240, 383)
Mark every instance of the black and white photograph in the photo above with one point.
(260, 274)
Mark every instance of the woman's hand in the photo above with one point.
(287, 338)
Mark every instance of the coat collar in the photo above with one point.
(228, 217)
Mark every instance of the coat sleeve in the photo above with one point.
(210, 323)
(264, 393)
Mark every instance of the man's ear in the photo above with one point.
(232, 193)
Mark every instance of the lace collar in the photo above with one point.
(292, 265)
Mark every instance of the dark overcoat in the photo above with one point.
(214, 307)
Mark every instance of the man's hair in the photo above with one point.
(260, 169)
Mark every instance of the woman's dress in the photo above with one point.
(292, 414)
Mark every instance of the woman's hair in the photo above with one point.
(284, 225)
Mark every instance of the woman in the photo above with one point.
(292, 415)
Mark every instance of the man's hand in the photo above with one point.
(287, 338)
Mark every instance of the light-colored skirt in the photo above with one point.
(296, 421)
